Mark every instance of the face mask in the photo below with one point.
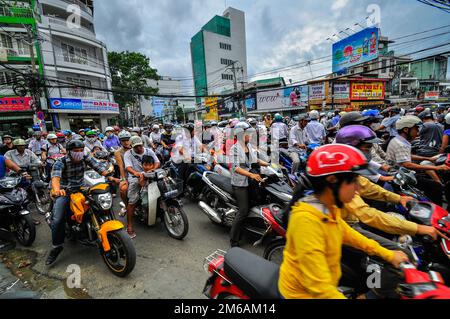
(92, 140)
(77, 156)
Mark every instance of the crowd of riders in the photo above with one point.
(352, 157)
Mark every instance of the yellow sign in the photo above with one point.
(367, 91)
(213, 114)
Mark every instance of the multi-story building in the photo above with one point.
(219, 54)
(73, 56)
(17, 24)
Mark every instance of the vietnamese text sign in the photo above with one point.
(14, 104)
(356, 49)
(317, 91)
(86, 105)
(368, 91)
(341, 91)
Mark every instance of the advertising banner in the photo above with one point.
(84, 105)
(431, 96)
(213, 114)
(356, 49)
(368, 91)
(283, 98)
(15, 104)
(341, 91)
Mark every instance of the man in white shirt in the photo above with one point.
(315, 130)
(297, 142)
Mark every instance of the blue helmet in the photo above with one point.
(372, 114)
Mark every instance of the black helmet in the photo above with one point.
(190, 127)
(74, 144)
(168, 126)
(101, 155)
(352, 118)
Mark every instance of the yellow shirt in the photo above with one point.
(357, 210)
(311, 267)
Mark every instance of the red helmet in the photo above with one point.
(116, 128)
(419, 109)
(335, 159)
(60, 135)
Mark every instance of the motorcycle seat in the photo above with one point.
(222, 182)
(255, 276)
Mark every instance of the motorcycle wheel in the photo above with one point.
(274, 251)
(25, 230)
(176, 222)
(44, 203)
(121, 259)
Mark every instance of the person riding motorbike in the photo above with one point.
(311, 266)
(297, 142)
(399, 153)
(91, 141)
(389, 122)
(136, 131)
(7, 144)
(37, 144)
(167, 140)
(155, 136)
(111, 141)
(68, 172)
(446, 136)
(430, 135)
(315, 130)
(124, 138)
(242, 155)
(51, 149)
(279, 130)
(373, 122)
(133, 166)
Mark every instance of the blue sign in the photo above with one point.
(86, 105)
(358, 48)
(66, 104)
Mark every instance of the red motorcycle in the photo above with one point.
(239, 274)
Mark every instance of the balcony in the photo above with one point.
(16, 15)
(80, 30)
(80, 4)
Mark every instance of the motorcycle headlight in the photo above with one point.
(161, 174)
(105, 201)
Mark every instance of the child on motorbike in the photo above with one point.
(311, 265)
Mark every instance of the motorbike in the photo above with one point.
(239, 274)
(93, 223)
(161, 199)
(14, 216)
(40, 190)
(219, 204)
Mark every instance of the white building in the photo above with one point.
(219, 46)
(73, 55)
(164, 107)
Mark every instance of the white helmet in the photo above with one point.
(52, 137)
(124, 135)
(314, 115)
(447, 119)
(155, 127)
(109, 129)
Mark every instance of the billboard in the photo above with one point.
(213, 114)
(14, 104)
(341, 91)
(85, 105)
(367, 91)
(317, 91)
(431, 96)
(356, 49)
(296, 97)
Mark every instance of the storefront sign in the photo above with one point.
(341, 91)
(85, 105)
(367, 91)
(431, 96)
(15, 104)
(317, 91)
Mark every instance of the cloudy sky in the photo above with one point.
(279, 33)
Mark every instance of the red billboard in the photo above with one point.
(14, 104)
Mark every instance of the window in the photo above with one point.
(227, 77)
(225, 46)
(80, 92)
(6, 41)
(74, 54)
(384, 66)
(226, 61)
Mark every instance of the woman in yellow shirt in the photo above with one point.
(316, 232)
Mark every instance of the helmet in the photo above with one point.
(213, 123)
(408, 121)
(190, 127)
(101, 136)
(352, 118)
(74, 144)
(425, 114)
(356, 134)
(419, 109)
(109, 129)
(136, 141)
(233, 123)
(60, 135)
(314, 115)
(7, 136)
(19, 142)
(330, 115)
(86, 130)
(447, 119)
(278, 117)
(67, 133)
(116, 128)
(371, 113)
(37, 133)
(335, 159)
(252, 121)
(243, 126)
(136, 130)
(168, 126)
(155, 127)
(91, 133)
(395, 110)
(323, 114)
(52, 137)
(124, 135)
